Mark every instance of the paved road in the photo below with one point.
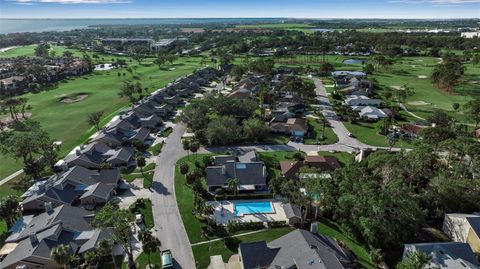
(168, 223)
(10, 177)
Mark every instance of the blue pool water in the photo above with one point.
(241, 208)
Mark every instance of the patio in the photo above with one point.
(224, 211)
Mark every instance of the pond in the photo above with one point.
(353, 61)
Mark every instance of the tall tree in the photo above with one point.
(10, 209)
(120, 222)
(415, 260)
(150, 244)
(94, 119)
(473, 110)
(61, 255)
(233, 185)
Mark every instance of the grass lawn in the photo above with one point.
(156, 149)
(415, 73)
(315, 134)
(15, 187)
(184, 195)
(366, 132)
(228, 247)
(329, 228)
(68, 122)
(142, 261)
(147, 214)
(343, 157)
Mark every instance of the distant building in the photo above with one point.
(471, 34)
(361, 100)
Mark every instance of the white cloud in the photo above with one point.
(438, 2)
(34, 2)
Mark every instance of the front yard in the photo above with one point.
(315, 132)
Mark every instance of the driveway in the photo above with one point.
(134, 192)
(168, 223)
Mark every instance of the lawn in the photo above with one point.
(68, 122)
(415, 73)
(147, 214)
(184, 195)
(156, 149)
(142, 261)
(366, 132)
(343, 158)
(228, 247)
(315, 134)
(329, 228)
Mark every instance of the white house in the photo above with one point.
(361, 100)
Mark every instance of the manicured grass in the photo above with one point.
(343, 157)
(16, 186)
(156, 149)
(366, 132)
(228, 247)
(329, 228)
(167, 132)
(68, 122)
(184, 195)
(315, 134)
(147, 214)
(155, 259)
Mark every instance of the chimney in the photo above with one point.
(33, 238)
(48, 207)
(313, 227)
(78, 152)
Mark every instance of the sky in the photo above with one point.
(239, 8)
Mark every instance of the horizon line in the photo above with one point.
(203, 18)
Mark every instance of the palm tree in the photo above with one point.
(233, 185)
(61, 255)
(150, 243)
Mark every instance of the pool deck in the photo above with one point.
(224, 211)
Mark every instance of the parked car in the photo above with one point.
(167, 260)
(138, 218)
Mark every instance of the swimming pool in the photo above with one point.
(258, 207)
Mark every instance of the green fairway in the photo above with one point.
(68, 122)
(30, 51)
(229, 246)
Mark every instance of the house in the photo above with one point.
(344, 79)
(250, 172)
(358, 87)
(95, 154)
(293, 126)
(67, 187)
(411, 130)
(370, 113)
(116, 137)
(463, 228)
(297, 249)
(12, 83)
(452, 255)
(361, 100)
(291, 168)
(33, 237)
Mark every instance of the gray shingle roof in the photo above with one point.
(446, 254)
(298, 249)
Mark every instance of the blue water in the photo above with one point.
(241, 208)
(353, 61)
(43, 25)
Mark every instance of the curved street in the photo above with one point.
(168, 223)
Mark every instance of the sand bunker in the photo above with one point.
(418, 103)
(398, 88)
(422, 77)
(413, 66)
(73, 99)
